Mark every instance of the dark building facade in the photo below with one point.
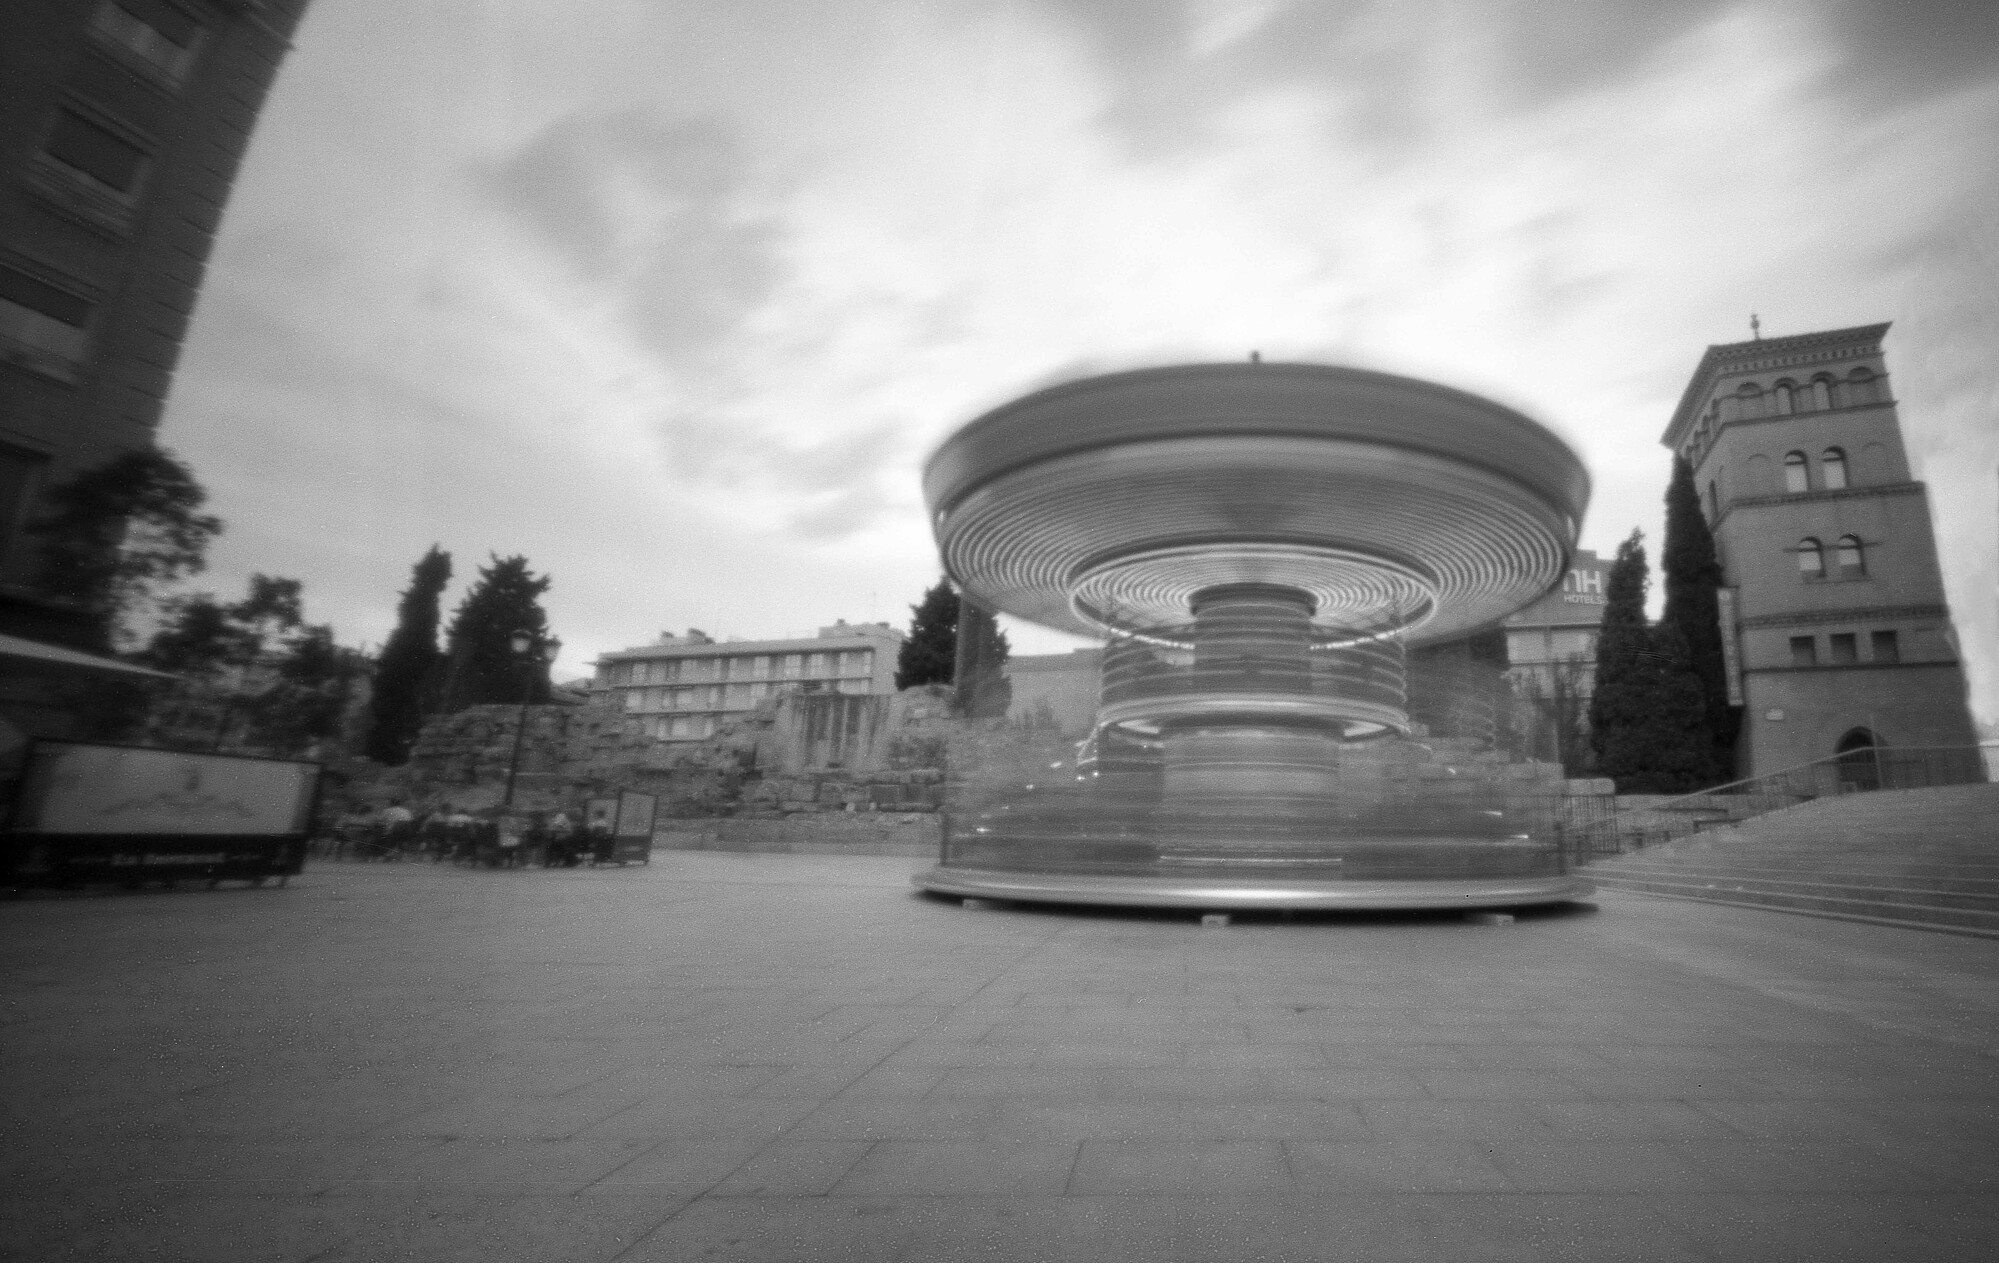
(1840, 635)
(122, 125)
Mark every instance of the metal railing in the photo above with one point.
(1864, 770)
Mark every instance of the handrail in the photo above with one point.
(1846, 757)
(1912, 765)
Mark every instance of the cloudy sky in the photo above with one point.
(672, 297)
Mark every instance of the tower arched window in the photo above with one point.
(1749, 400)
(1811, 559)
(1797, 473)
(1832, 469)
(1852, 559)
(1821, 394)
(1786, 399)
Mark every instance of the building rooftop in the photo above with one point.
(696, 644)
(1762, 353)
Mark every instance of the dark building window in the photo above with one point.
(1845, 648)
(41, 318)
(158, 33)
(1797, 473)
(1852, 561)
(19, 473)
(1887, 647)
(1811, 559)
(104, 156)
(1804, 651)
(1821, 396)
(1832, 469)
(1787, 399)
(1713, 502)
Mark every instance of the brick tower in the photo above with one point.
(1839, 632)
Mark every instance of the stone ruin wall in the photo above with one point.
(749, 786)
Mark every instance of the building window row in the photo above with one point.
(1849, 558)
(1832, 471)
(1788, 397)
(679, 727)
(716, 697)
(775, 666)
(1843, 649)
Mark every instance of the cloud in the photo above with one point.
(846, 512)
(1909, 50)
(1387, 68)
(656, 215)
(658, 220)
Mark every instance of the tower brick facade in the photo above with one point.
(1840, 630)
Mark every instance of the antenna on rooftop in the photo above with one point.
(1755, 328)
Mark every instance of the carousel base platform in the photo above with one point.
(1223, 893)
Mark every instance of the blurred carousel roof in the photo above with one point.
(1104, 504)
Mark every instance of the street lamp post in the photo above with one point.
(522, 643)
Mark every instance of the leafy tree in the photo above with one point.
(1647, 723)
(195, 638)
(1692, 574)
(254, 661)
(115, 533)
(929, 653)
(483, 667)
(1456, 688)
(1559, 704)
(306, 704)
(984, 692)
(200, 636)
(408, 673)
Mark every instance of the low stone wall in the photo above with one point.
(825, 833)
(827, 790)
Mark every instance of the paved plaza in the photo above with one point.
(766, 1057)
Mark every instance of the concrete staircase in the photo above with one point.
(1926, 858)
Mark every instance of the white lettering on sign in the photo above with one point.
(1587, 582)
(1576, 598)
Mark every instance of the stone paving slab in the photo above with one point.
(793, 1057)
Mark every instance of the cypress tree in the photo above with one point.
(1647, 722)
(929, 653)
(483, 667)
(1684, 761)
(1692, 575)
(1618, 707)
(406, 674)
